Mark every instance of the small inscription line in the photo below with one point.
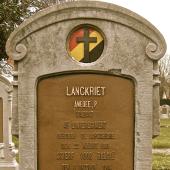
(85, 111)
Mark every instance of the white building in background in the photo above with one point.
(165, 108)
(6, 70)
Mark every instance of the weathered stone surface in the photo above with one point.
(7, 150)
(133, 47)
(1, 120)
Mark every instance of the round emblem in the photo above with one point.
(85, 44)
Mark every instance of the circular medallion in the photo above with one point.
(85, 44)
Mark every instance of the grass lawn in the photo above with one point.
(165, 122)
(163, 141)
(16, 141)
(161, 162)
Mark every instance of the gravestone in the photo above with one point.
(164, 111)
(88, 89)
(1, 120)
(7, 150)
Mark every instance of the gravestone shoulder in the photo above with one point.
(107, 12)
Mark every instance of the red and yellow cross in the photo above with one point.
(86, 45)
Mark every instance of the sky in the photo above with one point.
(155, 11)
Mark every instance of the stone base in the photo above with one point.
(164, 116)
(9, 165)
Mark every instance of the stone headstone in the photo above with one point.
(7, 150)
(87, 75)
(164, 111)
(15, 122)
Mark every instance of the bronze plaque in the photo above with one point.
(85, 122)
(1, 120)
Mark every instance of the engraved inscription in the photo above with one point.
(85, 91)
(98, 135)
(65, 155)
(85, 104)
(84, 114)
(84, 121)
(85, 125)
(90, 146)
(105, 155)
(66, 136)
(79, 167)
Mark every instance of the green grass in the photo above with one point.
(161, 162)
(165, 122)
(163, 141)
(16, 142)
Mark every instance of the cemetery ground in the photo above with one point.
(161, 147)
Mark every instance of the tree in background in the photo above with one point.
(5, 68)
(14, 12)
(164, 68)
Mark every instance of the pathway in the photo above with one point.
(163, 151)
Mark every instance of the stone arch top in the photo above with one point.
(83, 10)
